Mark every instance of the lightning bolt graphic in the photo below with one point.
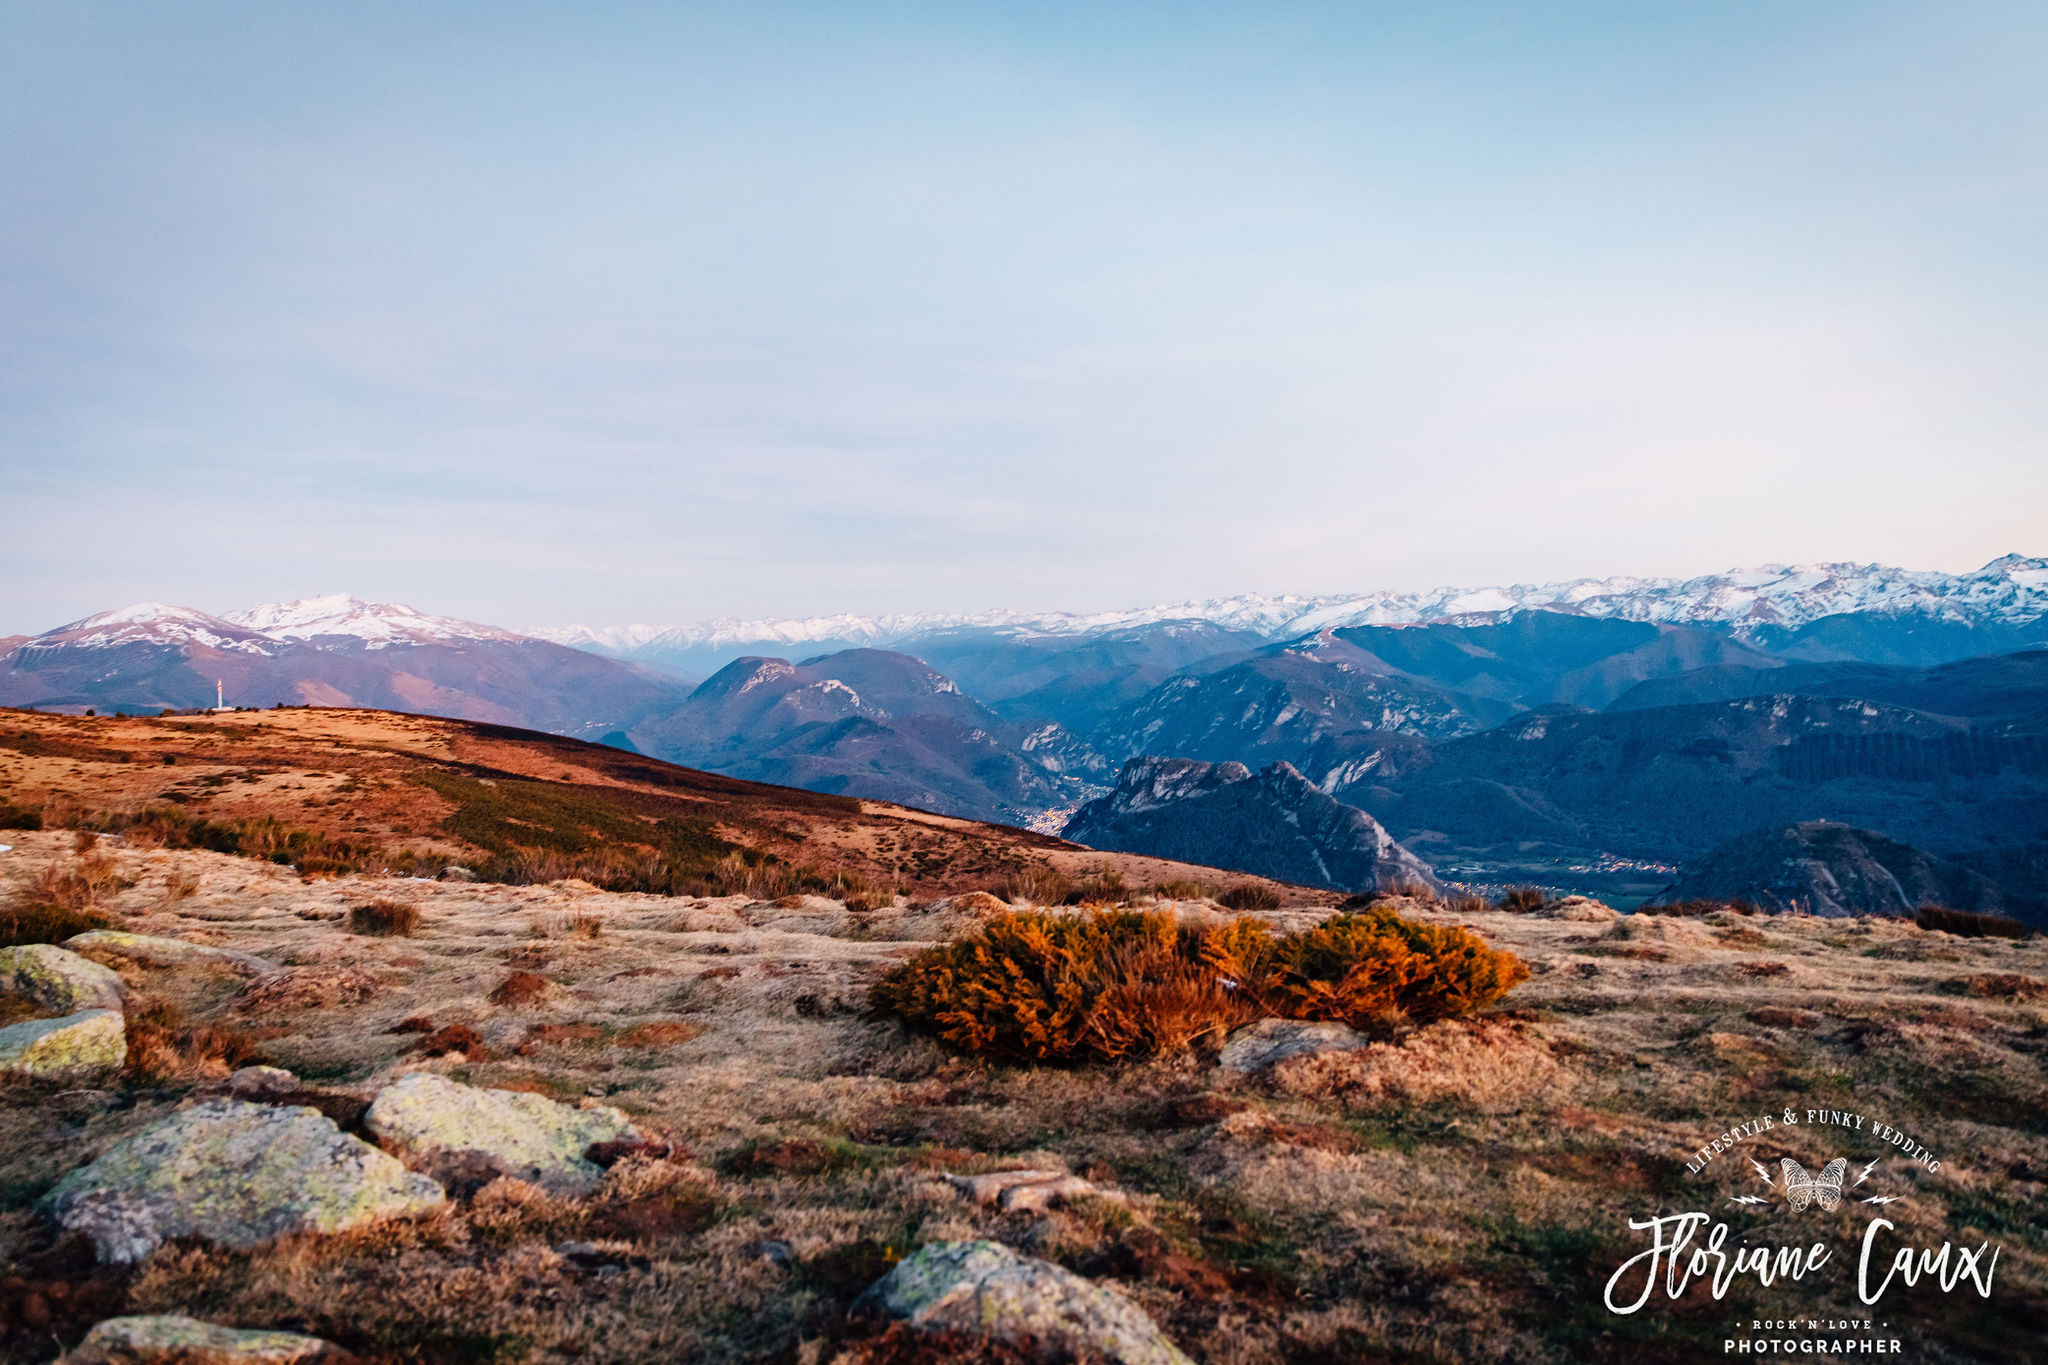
(1865, 1173)
(1884, 1199)
(1766, 1174)
(1748, 1199)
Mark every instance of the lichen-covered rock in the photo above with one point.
(170, 1339)
(85, 1046)
(1257, 1046)
(987, 1288)
(529, 1137)
(260, 1081)
(59, 981)
(166, 952)
(233, 1173)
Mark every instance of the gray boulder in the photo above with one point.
(87, 1046)
(985, 1287)
(1257, 1046)
(445, 1124)
(233, 1173)
(61, 982)
(166, 952)
(170, 1339)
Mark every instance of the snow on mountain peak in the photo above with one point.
(153, 623)
(2012, 590)
(377, 624)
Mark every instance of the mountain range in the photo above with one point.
(1589, 735)
(1873, 612)
(328, 651)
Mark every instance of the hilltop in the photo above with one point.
(348, 790)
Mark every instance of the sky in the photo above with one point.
(540, 314)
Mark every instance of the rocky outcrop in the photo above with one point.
(1818, 867)
(167, 952)
(984, 1287)
(233, 1173)
(1259, 1045)
(1028, 1191)
(442, 1123)
(1274, 823)
(59, 981)
(170, 1339)
(88, 1046)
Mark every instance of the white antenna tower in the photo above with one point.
(219, 697)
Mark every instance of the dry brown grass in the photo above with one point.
(1969, 925)
(1401, 1206)
(1249, 896)
(384, 919)
(521, 988)
(166, 1045)
(1477, 1062)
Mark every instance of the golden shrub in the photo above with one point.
(1040, 987)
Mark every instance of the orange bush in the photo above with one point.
(1040, 987)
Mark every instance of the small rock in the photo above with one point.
(89, 1045)
(166, 952)
(234, 1173)
(526, 1136)
(59, 981)
(987, 1288)
(261, 1080)
(1257, 1046)
(169, 1339)
(455, 873)
(1025, 1191)
(777, 1254)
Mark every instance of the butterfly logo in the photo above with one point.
(1824, 1189)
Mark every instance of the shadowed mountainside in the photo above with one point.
(1818, 867)
(867, 722)
(1274, 824)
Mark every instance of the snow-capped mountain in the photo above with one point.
(2011, 591)
(376, 624)
(328, 651)
(154, 623)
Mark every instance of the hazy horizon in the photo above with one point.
(648, 314)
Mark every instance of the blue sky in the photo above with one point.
(534, 314)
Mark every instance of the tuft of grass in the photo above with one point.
(1250, 896)
(81, 884)
(34, 923)
(1964, 924)
(1035, 886)
(1522, 900)
(520, 988)
(166, 1045)
(761, 1158)
(1181, 889)
(19, 817)
(384, 919)
(457, 1039)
